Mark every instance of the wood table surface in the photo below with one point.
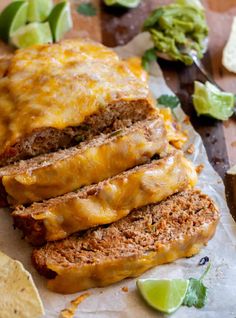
(118, 26)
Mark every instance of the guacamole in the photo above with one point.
(178, 27)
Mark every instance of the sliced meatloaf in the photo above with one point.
(64, 92)
(44, 140)
(54, 174)
(149, 236)
(106, 201)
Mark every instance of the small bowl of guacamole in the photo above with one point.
(177, 29)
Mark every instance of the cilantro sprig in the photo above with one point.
(197, 292)
(148, 57)
(170, 101)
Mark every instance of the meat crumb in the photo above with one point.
(125, 289)
(199, 168)
(190, 149)
(70, 311)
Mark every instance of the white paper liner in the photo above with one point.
(112, 301)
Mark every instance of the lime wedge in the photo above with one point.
(123, 3)
(209, 100)
(12, 18)
(60, 20)
(163, 295)
(31, 34)
(39, 10)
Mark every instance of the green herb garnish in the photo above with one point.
(170, 101)
(197, 292)
(153, 19)
(148, 57)
(87, 9)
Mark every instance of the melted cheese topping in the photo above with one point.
(175, 135)
(6, 110)
(59, 85)
(116, 197)
(75, 277)
(5, 60)
(84, 167)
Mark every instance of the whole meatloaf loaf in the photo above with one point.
(57, 173)
(106, 201)
(65, 92)
(149, 236)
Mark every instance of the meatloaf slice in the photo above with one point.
(44, 140)
(149, 236)
(106, 201)
(54, 174)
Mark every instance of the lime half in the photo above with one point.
(60, 20)
(31, 34)
(39, 10)
(123, 3)
(163, 295)
(209, 100)
(12, 18)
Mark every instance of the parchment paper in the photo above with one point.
(112, 301)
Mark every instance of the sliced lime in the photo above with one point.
(123, 3)
(12, 18)
(31, 34)
(209, 100)
(163, 295)
(60, 20)
(39, 10)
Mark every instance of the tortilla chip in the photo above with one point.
(229, 53)
(19, 296)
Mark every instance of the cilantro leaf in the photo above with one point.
(148, 56)
(153, 19)
(87, 9)
(168, 101)
(196, 294)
